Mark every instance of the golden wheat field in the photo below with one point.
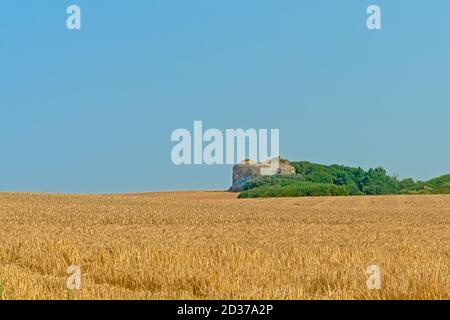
(211, 245)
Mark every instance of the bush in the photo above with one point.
(276, 180)
(439, 185)
(355, 180)
(313, 179)
(295, 189)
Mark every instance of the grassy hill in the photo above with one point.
(313, 179)
(439, 185)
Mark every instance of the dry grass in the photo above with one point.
(205, 245)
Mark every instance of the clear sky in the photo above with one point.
(92, 111)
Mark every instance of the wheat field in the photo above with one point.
(211, 245)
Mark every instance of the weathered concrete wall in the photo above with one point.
(246, 170)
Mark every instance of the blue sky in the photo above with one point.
(92, 111)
